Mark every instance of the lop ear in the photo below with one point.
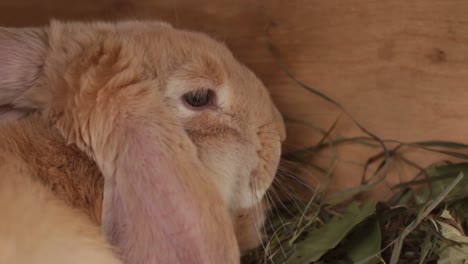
(22, 53)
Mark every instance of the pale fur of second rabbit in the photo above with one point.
(238, 141)
(38, 228)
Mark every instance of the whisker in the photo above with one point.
(295, 178)
(275, 233)
(274, 191)
(290, 195)
(255, 215)
(274, 206)
(286, 167)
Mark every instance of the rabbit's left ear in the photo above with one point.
(22, 56)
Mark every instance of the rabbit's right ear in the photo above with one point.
(22, 57)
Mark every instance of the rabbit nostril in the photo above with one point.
(199, 98)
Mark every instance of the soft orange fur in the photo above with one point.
(104, 83)
(64, 169)
(35, 227)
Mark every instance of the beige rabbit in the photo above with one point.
(186, 138)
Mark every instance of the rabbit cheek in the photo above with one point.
(222, 163)
(262, 176)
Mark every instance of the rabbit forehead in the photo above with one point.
(199, 60)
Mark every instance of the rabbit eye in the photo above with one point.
(199, 98)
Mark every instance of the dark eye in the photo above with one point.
(199, 98)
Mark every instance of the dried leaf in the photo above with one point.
(452, 253)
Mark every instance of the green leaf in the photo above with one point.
(364, 244)
(438, 186)
(321, 240)
(439, 178)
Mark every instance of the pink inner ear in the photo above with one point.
(158, 208)
(22, 53)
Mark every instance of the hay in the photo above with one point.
(425, 221)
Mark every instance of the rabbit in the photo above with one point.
(36, 227)
(157, 135)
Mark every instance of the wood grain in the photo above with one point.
(400, 67)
